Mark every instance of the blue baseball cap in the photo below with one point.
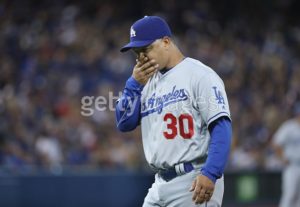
(145, 31)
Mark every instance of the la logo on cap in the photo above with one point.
(132, 32)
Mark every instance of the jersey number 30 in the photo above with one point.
(172, 123)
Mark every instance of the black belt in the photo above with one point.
(173, 172)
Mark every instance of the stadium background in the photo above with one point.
(54, 53)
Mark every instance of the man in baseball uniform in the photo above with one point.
(182, 107)
(287, 146)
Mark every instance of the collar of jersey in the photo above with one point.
(163, 71)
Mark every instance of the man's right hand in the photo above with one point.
(144, 69)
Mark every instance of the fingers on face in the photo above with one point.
(145, 69)
(141, 57)
(149, 71)
(144, 59)
(147, 64)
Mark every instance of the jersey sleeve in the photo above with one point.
(128, 106)
(219, 148)
(211, 98)
(280, 135)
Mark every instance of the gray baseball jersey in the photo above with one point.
(288, 137)
(176, 109)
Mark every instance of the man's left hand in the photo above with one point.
(203, 189)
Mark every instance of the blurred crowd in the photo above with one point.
(53, 54)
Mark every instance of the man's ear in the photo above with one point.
(167, 41)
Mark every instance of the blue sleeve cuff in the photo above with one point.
(134, 84)
(210, 176)
(218, 149)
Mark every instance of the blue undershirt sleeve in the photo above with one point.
(128, 106)
(218, 149)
